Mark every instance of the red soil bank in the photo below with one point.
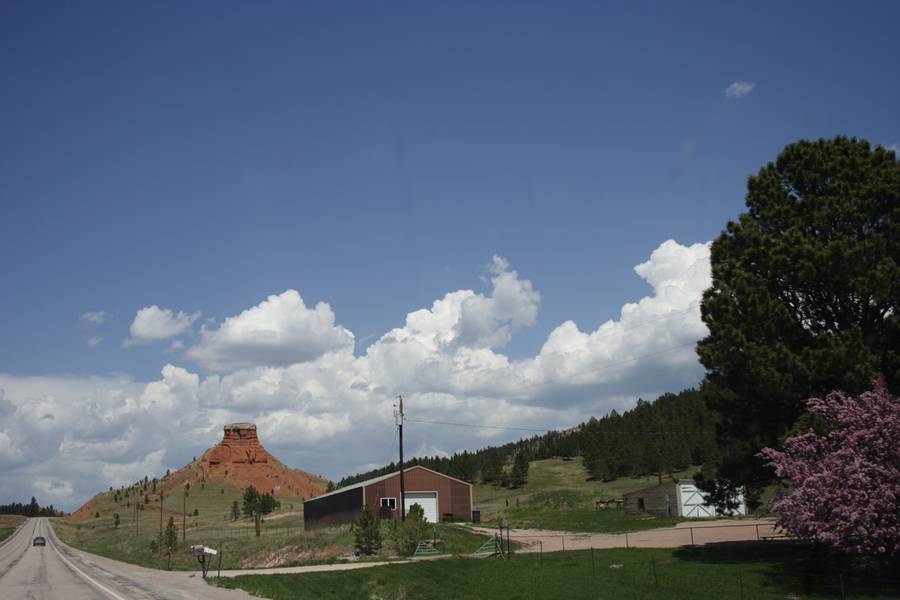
(240, 459)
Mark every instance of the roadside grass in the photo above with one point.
(293, 547)
(280, 547)
(559, 496)
(8, 524)
(759, 571)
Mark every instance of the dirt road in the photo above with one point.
(59, 572)
(684, 534)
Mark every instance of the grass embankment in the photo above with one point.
(8, 524)
(278, 547)
(239, 546)
(559, 496)
(758, 571)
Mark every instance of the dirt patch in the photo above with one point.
(684, 534)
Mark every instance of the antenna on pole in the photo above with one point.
(398, 417)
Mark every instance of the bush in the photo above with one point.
(367, 532)
(406, 535)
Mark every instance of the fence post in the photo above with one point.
(541, 542)
(563, 542)
(626, 539)
(220, 563)
(593, 565)
(757, 532)
(655, 578)
(841, 577)
(692, 536)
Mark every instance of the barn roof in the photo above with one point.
(369, 482)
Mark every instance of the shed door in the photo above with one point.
(428, 502)
(692, 504)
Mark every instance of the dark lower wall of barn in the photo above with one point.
(336, 509)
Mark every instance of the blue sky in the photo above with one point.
(203, 156)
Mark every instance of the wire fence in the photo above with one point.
(673, 537)
(206, 533)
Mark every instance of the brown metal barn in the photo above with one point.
(440, 496)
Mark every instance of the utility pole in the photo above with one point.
(160, 522)
(184, 516)
(399, 417)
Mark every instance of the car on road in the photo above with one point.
(39, 541)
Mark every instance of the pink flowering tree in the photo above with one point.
(845, 483)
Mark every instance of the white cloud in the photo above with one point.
(95, 317)
(94, 341)
(895, 148)
(739, 89)
(278, 331)
(152, 324)
(321, 408)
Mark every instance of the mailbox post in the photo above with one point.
(202, 552)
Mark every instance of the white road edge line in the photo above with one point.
(85, 576)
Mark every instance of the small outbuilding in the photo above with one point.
(674, 499)
(439, 495)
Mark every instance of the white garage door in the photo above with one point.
(428, 502)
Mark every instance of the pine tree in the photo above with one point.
(367, 532)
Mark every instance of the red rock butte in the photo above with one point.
(240, 459)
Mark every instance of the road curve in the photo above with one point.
(59, 572)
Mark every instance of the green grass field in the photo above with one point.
(8, 524)
(559, 496)
(759, 571)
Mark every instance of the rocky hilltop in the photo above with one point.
(240, 459)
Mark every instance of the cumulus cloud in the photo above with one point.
(319, 406)
(152, 324)
(278, 331)
(895, 148)
(739, 89)
(93, 341)
(95, 317)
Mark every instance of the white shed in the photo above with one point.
(675, 499)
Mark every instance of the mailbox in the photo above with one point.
(203, 551)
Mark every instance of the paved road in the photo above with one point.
(59, 572)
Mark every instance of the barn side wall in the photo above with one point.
(453, 497)
(336, 509)
(659, 500)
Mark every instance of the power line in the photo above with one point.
(477, 426)
(474, 425)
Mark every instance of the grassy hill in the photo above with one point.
(559, 496)
(213, 525)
